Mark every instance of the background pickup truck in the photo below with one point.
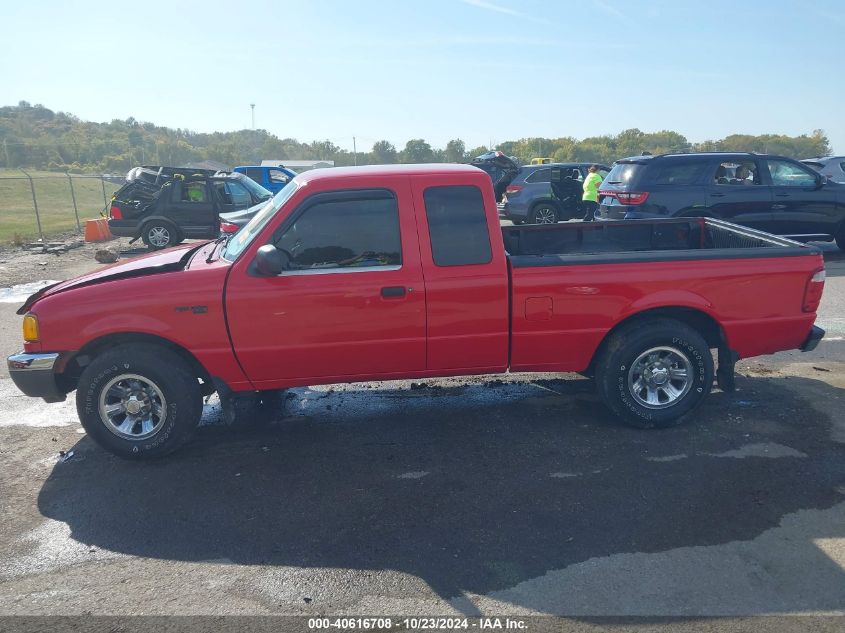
(271, 178)
(374, 273)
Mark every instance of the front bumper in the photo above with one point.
(34, 375)
(812, 341)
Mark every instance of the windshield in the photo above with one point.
(240, 240)
(257, 191)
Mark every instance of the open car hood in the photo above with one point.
(165, 261)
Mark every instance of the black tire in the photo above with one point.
(622, 357)
(159, 234)
(544, 213)
(840, 237)
(518, 222)
(130, 372)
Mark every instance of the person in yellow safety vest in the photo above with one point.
(590, 199)
(194, 192)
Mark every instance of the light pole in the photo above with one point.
(252, 107)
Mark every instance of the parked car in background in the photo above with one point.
(271, 178)
(545, 194)
(833, 167)
(771, 193)
(166, 205)
(501, 169)
(403, 271)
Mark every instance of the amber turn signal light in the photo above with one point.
(30, 328)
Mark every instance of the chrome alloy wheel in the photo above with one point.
(659, 377)
(132, 407)
(545, 215)
(159, 236)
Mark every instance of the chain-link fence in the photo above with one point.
(39, 204)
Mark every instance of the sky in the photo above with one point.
(484, 71)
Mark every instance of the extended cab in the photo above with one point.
(390, 272)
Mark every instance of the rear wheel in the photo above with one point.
(653, 373)
(160, 234)
(138, 402)
(544, 214)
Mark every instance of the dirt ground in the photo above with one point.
(504, 495)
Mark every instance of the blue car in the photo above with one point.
(271, 178)
(545, 194)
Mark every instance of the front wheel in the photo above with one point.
(653, 373)
(138, 402)
(544, 214)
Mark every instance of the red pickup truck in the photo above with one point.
(390, 272)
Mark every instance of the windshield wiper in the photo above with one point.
(223, 239)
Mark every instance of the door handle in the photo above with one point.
(781, 195)
(718, 195)
(778, 206)
(393, 292)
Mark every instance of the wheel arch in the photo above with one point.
(99, 345)
(699, 320)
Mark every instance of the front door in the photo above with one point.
(800, 205)
(352, 303)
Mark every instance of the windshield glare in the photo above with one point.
(259, 192)
(240, 240)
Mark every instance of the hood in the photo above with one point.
(240, 218)
(165, 261)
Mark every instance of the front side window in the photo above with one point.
(737, 172)
(234, 193)
(354, 233)
(788, 174)
(457, 226)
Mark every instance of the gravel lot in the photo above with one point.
(499, 495)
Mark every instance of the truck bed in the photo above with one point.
(573, 282)
(642, 240)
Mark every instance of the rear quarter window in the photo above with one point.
(457, 226)
(677, 173)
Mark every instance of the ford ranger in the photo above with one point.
(403, 271)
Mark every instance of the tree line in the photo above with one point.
(37, 137)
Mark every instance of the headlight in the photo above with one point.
(30, 328)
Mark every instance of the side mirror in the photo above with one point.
(270, 261)
(821, 181)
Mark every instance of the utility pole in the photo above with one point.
(252, 107)
(355, 151)
(8, 160)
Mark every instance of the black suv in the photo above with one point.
(165, 205)
(771, 193)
